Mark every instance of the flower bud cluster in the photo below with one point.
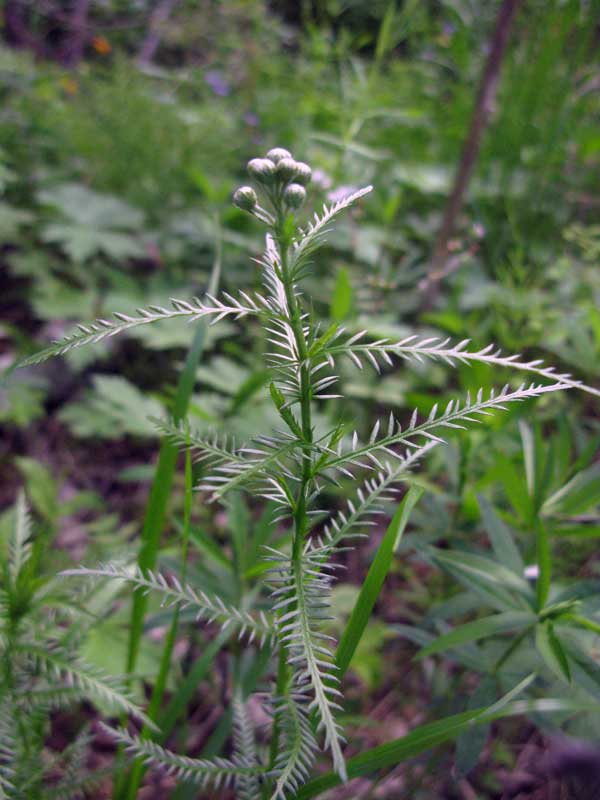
(281, 177)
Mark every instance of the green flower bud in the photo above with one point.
(262, 170)
(294, 195)
(303, 173)
(277, 153)
(245, 198)
(287, 169)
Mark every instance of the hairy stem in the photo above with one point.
(300, 515)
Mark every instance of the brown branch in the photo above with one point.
(484, 104)
(158, 18)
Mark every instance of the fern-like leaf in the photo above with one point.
(60, 666)
(208, 607)
(19, 550)
(234, 467)
(297, 755)
(368, 455)
(221, 773)
(303, 599)
(244, 747)
(375, 490)
(9, 746)
(211, 448)
(413, 348)
(192, 310)
(311, 237)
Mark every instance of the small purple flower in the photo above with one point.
(340, 193)
(321, 179)
(217, 83)
(251, 119)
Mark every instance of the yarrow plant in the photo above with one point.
(290, 467)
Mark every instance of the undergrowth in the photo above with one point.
(287, 610)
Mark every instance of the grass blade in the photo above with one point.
(479, 629)
(160, 491)
(374, 581)
(427, 736)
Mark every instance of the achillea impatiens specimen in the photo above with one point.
(290, 467)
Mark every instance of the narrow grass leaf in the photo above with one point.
(551, 650)
(479, 629)
(374, 581)
(425, 737)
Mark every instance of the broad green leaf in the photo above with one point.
(501, 538)
(551, 650)
(479, 629)
(374, 580)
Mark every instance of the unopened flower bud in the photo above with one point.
(245, 198)
(277, 153)
(294, 195)
(303, 173)
(262, 170)
(287, 169)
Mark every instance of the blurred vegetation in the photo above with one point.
(121, 141)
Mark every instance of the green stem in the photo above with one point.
(300, 503)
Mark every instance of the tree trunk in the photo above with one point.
(159, 17)
(484, 103)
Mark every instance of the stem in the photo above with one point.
(300, 505)
(295, 322)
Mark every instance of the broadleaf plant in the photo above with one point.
(290, 468)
